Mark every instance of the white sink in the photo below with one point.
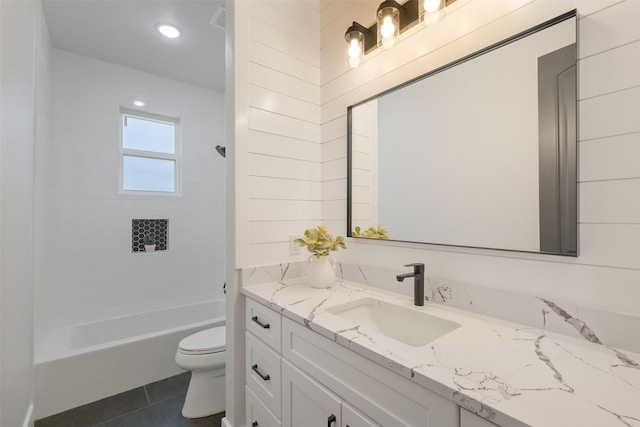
(408, 326)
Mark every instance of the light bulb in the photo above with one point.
(388, 29)
(431, 6)
(432, 12)
(354, 49)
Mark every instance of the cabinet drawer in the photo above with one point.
(257, 413)
(263, 372)
(264, 323)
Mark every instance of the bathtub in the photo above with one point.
(83, 363)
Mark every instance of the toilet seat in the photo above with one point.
(204, 342)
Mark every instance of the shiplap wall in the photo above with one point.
(607, 273)
(282, 136)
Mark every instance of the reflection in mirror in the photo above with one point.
(479, 153)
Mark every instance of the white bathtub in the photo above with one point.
(83, 363)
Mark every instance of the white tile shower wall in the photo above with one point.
(606, 274)
(278, 147)
(94, 273)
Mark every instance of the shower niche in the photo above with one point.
(156, 228)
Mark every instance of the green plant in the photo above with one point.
(320, 242)
(148, 239)
(378, 232)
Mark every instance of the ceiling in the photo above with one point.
(123, 32)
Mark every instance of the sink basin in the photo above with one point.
(411, 327)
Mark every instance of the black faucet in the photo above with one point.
(418, 282)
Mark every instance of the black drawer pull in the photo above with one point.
(264, 325)
(331, 420)
(254, 424)
(255, 369)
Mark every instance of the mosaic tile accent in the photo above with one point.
(155, 227)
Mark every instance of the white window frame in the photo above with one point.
(177, 157)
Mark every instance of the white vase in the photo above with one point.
(150, 248)
(321, 271)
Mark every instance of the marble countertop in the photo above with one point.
(510, 374)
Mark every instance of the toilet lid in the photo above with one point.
(204, 342)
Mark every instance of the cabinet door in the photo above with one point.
(307, 403)
(351, 417)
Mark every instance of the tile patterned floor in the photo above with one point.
(154, 405)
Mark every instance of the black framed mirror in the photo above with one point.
(478, 153)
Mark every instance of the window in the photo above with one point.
(149, 148)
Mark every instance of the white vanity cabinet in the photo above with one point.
(312, 381)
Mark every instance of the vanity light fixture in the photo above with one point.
(388, 23)
(392, 19)
(139, 103)
(361, 40)
(168, 30)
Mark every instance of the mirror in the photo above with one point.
(478, 153)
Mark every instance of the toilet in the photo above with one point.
(203, 353)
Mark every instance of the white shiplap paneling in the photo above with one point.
(283, 104)
(614, 157)
(609, 115)
(283, 166)
(278, 82)
(282, 146)
(598, 77)
(278, 124)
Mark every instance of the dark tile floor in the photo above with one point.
(154, 405)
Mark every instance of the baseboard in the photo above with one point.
(28, 418)
(225, 422)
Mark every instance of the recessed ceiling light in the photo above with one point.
(168, 31)
(138, 103)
